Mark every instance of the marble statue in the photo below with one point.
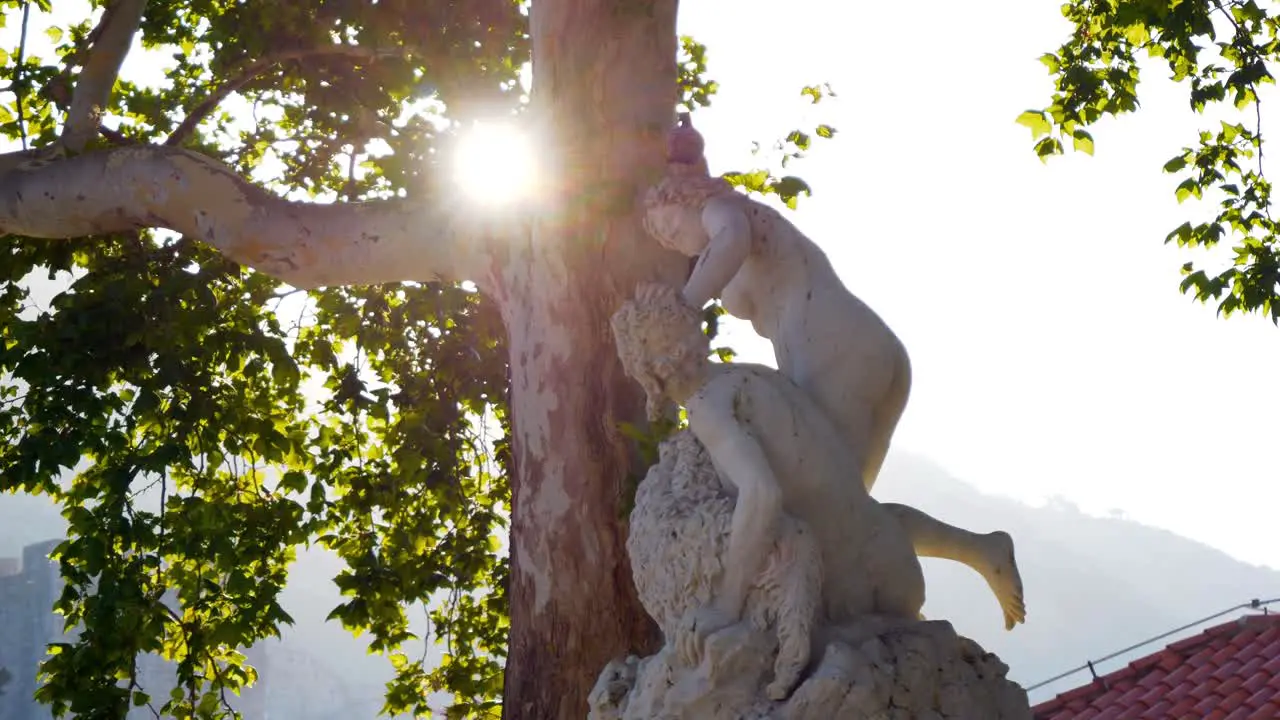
(782, 588)
(825, 339)
(776, 448)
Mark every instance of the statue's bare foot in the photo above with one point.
(1001, 573)
(694, 629)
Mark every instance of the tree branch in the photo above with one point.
(256, 68)
(114, 35)
(307, 245)
(19, 84)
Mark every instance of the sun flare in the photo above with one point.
(495, 164)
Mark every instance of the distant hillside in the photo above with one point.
(1094, 585)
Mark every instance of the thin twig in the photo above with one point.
(114, 136)
(18, 84)
(256, 68)
(351, 175)
(133, 685)
(1217, 4)
(1257, 114)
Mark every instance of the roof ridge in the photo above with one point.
(1166, 660)
(1253, 604)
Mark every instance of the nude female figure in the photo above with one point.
(825, 339)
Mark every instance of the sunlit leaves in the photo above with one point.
(815, 93)
(1229, 163)
(795, 145)
(695, 88)
(1222, 52)
(1048, 147)
(787, 188)
(198, 422)
(1082, 141)
(171, 543)
(1037, 121)
(173, 380)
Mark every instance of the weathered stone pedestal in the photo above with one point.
(923, 671)
(872, 668)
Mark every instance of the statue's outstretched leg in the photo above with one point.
(991, 555)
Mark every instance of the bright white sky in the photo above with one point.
(1053, 354)
(1052, 351)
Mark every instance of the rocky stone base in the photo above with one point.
(918, 671)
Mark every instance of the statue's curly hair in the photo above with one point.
(688, 185)
(653, 328)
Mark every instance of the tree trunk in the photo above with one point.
(603, 97)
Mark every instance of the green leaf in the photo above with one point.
(1182, 234)
(293, 481)
(1048, 147)
(1037, 121)
(1187, 188)
(1137, 34)
(799, 139)
(1082, 141)
(790, 188)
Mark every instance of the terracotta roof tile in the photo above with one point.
(1270, 711)
(1231, 684)
(1228, 672)
(1240, 713)
(1272, 666)
(1177, 679)
(1159, 710)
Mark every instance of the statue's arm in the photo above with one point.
(729, 231)
(757, 515)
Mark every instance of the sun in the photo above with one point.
(494, 164)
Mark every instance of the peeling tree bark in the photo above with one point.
(112, 39)
(307, 245)
(604, 93)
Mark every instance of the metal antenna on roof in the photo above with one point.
(1253, 604)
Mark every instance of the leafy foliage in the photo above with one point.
(199, 422)
(695, 88)
(196, 434)
(794, 146)
(1222, 51)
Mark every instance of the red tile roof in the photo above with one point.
(1228, 672)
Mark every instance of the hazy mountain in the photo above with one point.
(1093, 585)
